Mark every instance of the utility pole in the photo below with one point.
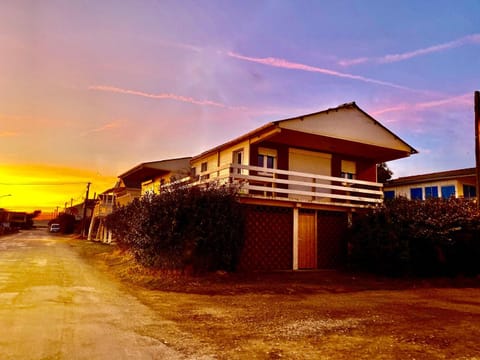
(477, 144)
(84, 219)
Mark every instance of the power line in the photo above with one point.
(44, 183)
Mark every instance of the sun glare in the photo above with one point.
(45, 187)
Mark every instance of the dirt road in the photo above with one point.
(69, 299)
(53, 305)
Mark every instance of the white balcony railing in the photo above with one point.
(258, 182)
(102, 209)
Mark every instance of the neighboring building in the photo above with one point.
(300, 180)
(13, 219)
(78, 209)
(143, 178)
(104, 205)
(150, 176)
(445, 184)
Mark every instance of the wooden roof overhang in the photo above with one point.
(331, 145)
(141, 173)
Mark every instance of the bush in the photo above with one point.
(183, 227)
(426, 238)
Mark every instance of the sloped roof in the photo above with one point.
(271, 126)
(436, 176)
(148, 170)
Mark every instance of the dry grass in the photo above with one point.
(306, 315)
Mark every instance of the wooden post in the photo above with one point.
(477, 144)
(84, 219)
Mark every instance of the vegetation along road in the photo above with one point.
(62, 298)
(53, 305)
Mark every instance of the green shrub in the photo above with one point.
(182, 227)
(426, 238)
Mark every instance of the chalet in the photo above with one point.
(141, 179)
(151, 176)
(459, 183)
(300, 179)
(78, 210)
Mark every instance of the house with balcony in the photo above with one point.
(140, 180)
(77, 210)
(300, 180)
(460, 183)
(149, 177)
(104, 205)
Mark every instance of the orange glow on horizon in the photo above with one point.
(46, 187)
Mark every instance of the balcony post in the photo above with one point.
(295, 238)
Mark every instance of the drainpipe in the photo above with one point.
(477, 145)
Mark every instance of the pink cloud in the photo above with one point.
(460, 100)
(469, 39)
(163, 96)
(106, 127)
(180, 45)
(281, 63)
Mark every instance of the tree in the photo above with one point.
(30, 217)
(383, 173)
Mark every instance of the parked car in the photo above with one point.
(54, 228)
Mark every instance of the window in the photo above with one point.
(349, 169)
(203, 169)
(267, 158)
(389, 194)
(448, 191)
(469, 191)
(431, 192)
(416, 193)
(238, 159)
(266, 161)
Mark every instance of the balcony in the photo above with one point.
(255, 182)
(102, 209)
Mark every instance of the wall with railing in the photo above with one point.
(259, 182)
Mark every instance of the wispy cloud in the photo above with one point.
(106, 127)
(8, 134)
(469, 39)
(180, 45)
(285, 64)
(163, 96)
(460, 100)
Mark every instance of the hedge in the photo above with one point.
(421, 238)
(183, 227)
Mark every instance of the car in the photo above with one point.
(54, 228)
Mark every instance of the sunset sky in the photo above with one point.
(89, 89)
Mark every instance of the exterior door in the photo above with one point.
(307, 240)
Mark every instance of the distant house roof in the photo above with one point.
(148, 170)
(436, 176)
(272, 129)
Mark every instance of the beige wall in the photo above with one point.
(404, 191)
(128, 197)
(308, 162)
(347, 124)
(222, 158)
